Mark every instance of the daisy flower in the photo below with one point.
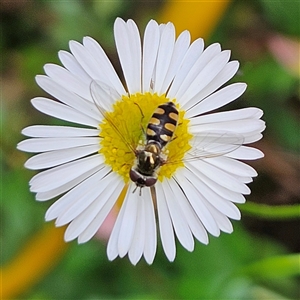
(148, 148)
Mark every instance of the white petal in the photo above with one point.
(206, 75)
(58, 176)
(103, 64)
(69, 80)
(63, 112)
(55, 158)
(150, 230)
(252, 137)
(83, 224)
(164, 56)
(209, 196)
(165, 224)
(93, 227)
(44, 196)
(112, 249)
(218, 99)
(138, 242)
(83, 199)
(128, 43)
(58, 131)
(226, 116)
(48, 144)
(222, 77)
(189, 61)
(128, 222)
(233, 166)
(179, 221)
(180, 48)
(244, 179)
(70, 63)
(217, 188)
(222, 221)
(150, 48)
(203, 60)
(79, 204)
(194, 222)
(196, 200)
(88, 62)
(247, 153)
(58, 208)
(219, 176)
(238, 126)
(69, 98)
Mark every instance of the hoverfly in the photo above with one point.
(159, 132)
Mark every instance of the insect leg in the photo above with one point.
(143, 116)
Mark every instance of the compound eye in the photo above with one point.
(150, 181)
(134, 176)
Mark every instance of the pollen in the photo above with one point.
(123, 131)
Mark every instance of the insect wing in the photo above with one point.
(104, 97)
(212, 144)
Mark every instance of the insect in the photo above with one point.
(159, 132)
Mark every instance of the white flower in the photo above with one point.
(199, 176)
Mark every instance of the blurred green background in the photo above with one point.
(259, 260)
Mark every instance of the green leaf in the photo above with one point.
(271, 212)
(274, 267)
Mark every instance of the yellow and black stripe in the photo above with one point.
(162, 124)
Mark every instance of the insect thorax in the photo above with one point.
(148, 160)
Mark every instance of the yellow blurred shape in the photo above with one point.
(199, 17)
(37, 257)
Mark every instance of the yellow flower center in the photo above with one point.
(123, 131)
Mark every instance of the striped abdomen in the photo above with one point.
(162, 124)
